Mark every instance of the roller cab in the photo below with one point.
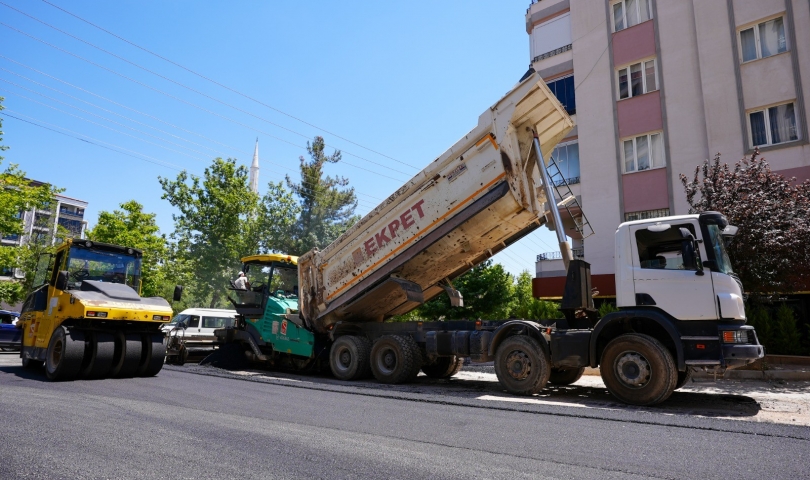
(85, 315)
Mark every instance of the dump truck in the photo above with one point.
(85, 317)
(680, 305)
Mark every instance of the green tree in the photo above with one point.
(215, 227)
(487, 291)
(17, 196)
(524, 305)
(132, 227)
(771, 251)
(788, 336)
(326, 209)
(278, 214)
(757, 316)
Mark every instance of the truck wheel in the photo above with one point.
(63, 359)
(395, 359)
(565, 376)
(349, 358)
(155, 354)
(443, 367)
(98, 356)
(521, 364)
(127, 355)
(683, 378)
(637, 369)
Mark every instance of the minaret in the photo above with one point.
(254, 170)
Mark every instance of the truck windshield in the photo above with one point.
(105, 266)
(718, 246)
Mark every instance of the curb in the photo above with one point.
(799, 373)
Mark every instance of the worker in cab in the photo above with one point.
(241, 282)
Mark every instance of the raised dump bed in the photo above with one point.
(482, 194)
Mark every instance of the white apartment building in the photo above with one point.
(658, 86)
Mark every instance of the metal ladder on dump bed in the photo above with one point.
(567, 199)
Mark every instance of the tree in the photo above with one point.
(771, 251)
(216, 226)
(278, 214)
(132, 227)
(524, 305)
(326, 209)
(19, 195)
(487, 290)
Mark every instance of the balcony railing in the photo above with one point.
(569, 181)
(65, 212)
(578, 253)
(556, 51)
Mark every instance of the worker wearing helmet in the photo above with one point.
(241, 282)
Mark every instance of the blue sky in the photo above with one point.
(400, 82)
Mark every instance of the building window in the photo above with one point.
(563, 89)
(763, 40)
(567, 159)
(627, 13)
(637, 79)
(773, 125)
(646, 214)
(643, 152)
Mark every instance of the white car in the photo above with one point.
(200, 324)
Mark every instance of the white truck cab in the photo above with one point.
(663, 262)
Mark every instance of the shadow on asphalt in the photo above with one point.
(37, 374)
(680, 403)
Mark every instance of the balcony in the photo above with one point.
(63, 212)
(549, 256)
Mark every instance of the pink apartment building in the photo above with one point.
(656, 87)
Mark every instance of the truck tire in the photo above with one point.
(98, 356)
(521, 365)
(637, 369)
(155, 354)
(683, 378)
(63, 359)
(349, 358)
(395, 359)
(565, 376)
(130, 355)
(443, 367)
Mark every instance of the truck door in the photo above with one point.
(661, 279)
(194, 324)
(36, 324)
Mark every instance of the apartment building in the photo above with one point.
(67, 213)
(656, 87)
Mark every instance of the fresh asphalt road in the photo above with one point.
(183, 424)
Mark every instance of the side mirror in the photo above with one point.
(19, 274)
(178, 293)
(62, 280)
(689, 252)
